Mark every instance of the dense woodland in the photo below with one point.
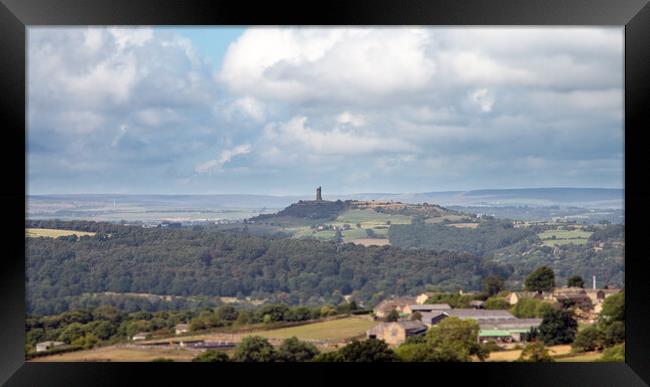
(488, 236)
(199, 263)
(196, 261)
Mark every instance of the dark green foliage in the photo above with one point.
(392, 316)
(173, 262)
(534, 353)
(576, 281)
(614, 354)
(455, 300)
(212, 356)
(371, 350)
(294, 350)
(542, 279)
(162, 360)
(558, 327)
(531, 308)
(308, 209)
(488, 236)
(255, 349)
(588, 339)
(227, 313)
(610, 232)
(613, 308)
(492, 285)
(614, 332)
(449, 341)
(496, 303)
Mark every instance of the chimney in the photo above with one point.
(318, 195)
(594, 282)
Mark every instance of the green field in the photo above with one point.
(370, 217)
(339, 329)
(583, 357)
(53, 233)
(564, 237)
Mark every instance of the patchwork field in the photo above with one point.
(564, 237)
(53, 233)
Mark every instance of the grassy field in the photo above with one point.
(373, 217)
(327, 330)
(369, 242)
(512, 355)
(53, 233)
(122, 354)
(583, 357)
(464, 225)
(564, 237)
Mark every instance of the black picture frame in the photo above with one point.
(17, 15)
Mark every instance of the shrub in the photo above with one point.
(211, 356)
(589, 339)
(614, 354)
(535, 352)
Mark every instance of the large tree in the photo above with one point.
(535, 352)
(371, 350)
(255, 349)
(575, 282)
(294, 350)
(613, 309)
(492, 285)
(450, 340)
(558, 327)
(541, 280)
(211, 356)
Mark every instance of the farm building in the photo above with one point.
(139, 336)
(432, 318)
(577, 296)
(476, 304)
(386, 306)
(47, 345)
(181, 328)
(479, 314)
(425, 308)
(517, 328)
(597, 296)
(423, 297)
(395, 333)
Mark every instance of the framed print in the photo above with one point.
(440, 187)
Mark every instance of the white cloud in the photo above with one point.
(224, 157)
(125, 37)
(249, 107)
(347, 118)
(293, 64)
(483, 99)
(295, 135)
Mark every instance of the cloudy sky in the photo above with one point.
(282, 110)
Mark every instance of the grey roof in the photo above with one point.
(479, 314)
(430, 307)
(510, 323)
(412, 326)
(428, 316)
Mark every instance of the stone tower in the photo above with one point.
(319, 198)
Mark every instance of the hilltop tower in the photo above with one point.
(319, 198)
